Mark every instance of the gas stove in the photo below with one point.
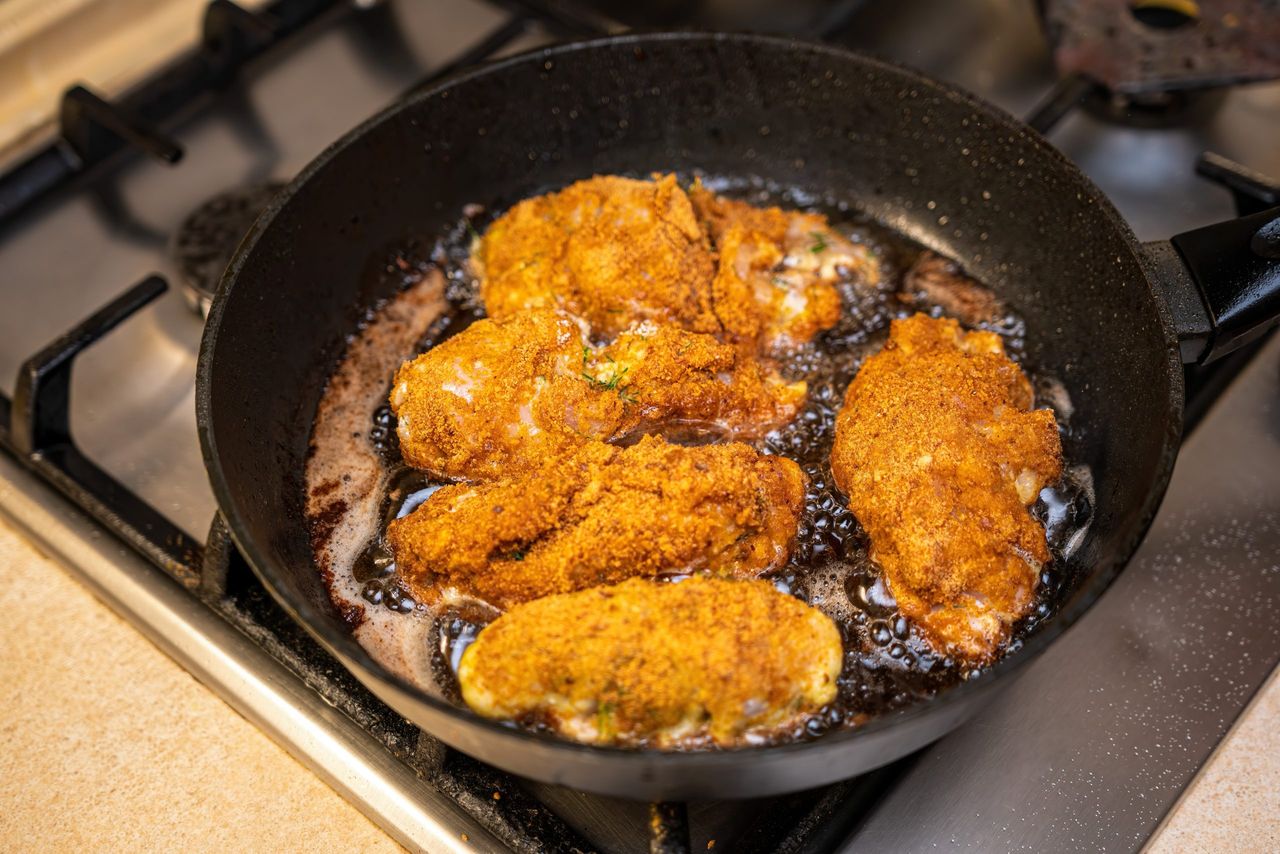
(112, 236)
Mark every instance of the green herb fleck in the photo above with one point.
(471, 229)
(612, 383)
(517, 555)
(819, 242)
(604, 720)
(616, 378)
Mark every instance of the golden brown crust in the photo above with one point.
(503, 396)
(497, 395)
(683, 383)
(610, 250)
(720, 214)
(774, 282)
(600, 516)
(940, 456)
(667, 665)
(617, 251)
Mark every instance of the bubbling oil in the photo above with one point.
(888, 664)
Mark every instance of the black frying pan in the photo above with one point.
(932, 162)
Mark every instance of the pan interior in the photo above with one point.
(914, 156)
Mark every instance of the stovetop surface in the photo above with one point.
(1090, 747)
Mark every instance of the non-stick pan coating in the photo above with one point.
(936, 164)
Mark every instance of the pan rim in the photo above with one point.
(347, 650)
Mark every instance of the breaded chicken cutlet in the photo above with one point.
(657, 664)
(504, 396)
(940, 455)
(776, 270)
(612, 251)
(616, 251)
(599, 516)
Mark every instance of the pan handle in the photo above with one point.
(1222, 283)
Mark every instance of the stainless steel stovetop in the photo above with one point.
(1089, 750)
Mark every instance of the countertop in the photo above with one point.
(108, 745)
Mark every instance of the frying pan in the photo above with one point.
(1112, 318)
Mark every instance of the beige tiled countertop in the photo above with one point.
(107, 745)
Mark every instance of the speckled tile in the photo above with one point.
(1234, 802)
(107, 745)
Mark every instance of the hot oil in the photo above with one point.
(887, 663)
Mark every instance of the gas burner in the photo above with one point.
(204, 243)
(1162, 45)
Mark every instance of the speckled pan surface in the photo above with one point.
(921, 157)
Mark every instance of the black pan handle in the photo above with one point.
(1222, 283)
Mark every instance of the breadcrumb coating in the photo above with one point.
(504, 396)
(699, 662)
(776, 270)
(618, 251)
(940, 454)
(499, 393)
(685, 383)
(610, 250)
(600, 516)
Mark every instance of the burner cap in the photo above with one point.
(204, 243)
